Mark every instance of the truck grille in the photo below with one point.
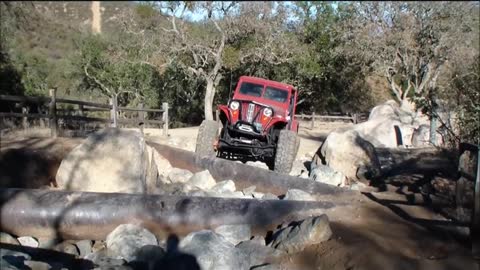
(250, 111)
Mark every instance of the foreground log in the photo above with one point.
(243, 175)
(88, 215)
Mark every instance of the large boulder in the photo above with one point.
(112, 160)
(213, 251)
(346, 151)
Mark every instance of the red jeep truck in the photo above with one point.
(258, 123)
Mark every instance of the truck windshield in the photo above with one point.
(251, 89)
(276, 94)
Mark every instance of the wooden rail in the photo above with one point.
(53, 114)
(355, 118)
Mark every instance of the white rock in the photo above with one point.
(203, 180)
(28, 241)
(111, 160)
(224, 186)
(177, 175)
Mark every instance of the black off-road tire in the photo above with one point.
(287, 148)
(207, 135)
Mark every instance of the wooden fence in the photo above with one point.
(80, 115)
(354, 118)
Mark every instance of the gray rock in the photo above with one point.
(258, 239)
(203, 180)
(67, 247)
(224, 186)
(8, 239)
(177, 175)
(28, 241)
(111, 160)
(235, 233)
(298, 195)
(84, 247)
(269, 196)
(324, 174)
(103, 258)
(12, 260)
(48, 242)
(258, 254)
(127, 239)
(213, 251)
(295, 238)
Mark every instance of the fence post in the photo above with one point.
(355, 118)
(52, 113)
(217, 115)
(24, 119)
(80, 112)
(165, 118)
(313, 120)
(141, 117)
(113, 111)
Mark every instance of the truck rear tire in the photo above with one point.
(287, 147)
(207, 136)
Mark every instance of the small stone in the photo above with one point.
(295, 238)
(102, 258)
(258, 239)
(249, 190)
(177, 175)
(224, 186)
(127, 239)
(28, 241)
(47, 242)
(203, 180)
(98, 245)
(8, 239)
(84, 247)
(236, 194)
(257, 195)
(234, 233)
(36, 265)
(298, 195)
(67, 248)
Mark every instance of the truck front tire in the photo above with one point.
(287, 148)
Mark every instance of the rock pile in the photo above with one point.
(133, 247)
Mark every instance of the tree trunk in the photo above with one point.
(209, 95)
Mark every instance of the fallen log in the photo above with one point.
(244, 175)
(89, 215)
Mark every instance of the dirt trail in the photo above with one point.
(395, 228)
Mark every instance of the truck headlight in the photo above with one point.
(267, 112)
(234, 105)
